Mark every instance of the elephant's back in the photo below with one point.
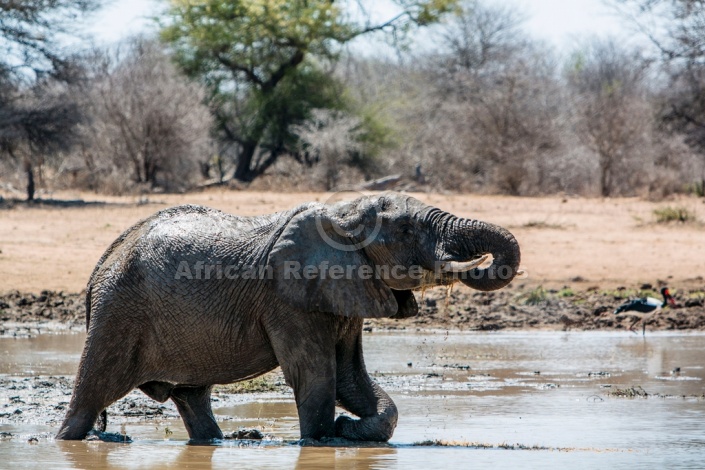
(197, 225)
(169, 269)
(185, 251)
(196, 234)
(188, 232)
(188, 259)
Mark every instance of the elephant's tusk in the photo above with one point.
(483, 262)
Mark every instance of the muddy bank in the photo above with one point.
(23, 314)
(565, 309)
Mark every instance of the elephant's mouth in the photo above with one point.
(407, 304)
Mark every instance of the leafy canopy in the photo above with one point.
(254, 40)
(245, 51)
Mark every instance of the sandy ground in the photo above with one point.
(565, 241)
(589, 255)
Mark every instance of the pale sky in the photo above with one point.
(123, 18)
(559, 22)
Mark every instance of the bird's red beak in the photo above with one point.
(670, 298)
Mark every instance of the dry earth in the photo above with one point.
(580, 250)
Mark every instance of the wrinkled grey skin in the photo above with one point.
(176, 338)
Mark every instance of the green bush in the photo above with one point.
(697, 188)
(673, 214)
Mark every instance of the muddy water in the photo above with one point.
(500, 392)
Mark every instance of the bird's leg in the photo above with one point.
(633, 324)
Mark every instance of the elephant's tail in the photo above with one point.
(89, 288)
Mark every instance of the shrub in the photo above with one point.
(673, 214)
(536, 296)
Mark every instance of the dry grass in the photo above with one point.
(269, 382)
(540, 224)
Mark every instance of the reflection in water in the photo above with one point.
(152, 455)
(157, 455)
(545, 389)
(41, 355)
(358, 458)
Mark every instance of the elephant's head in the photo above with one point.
(363, 258)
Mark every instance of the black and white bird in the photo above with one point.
(645, 307)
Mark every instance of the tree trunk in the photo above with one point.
(243, 171)
(150, 172)
(606, 175)
(30, 180)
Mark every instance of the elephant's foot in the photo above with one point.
(323, 442)
(375, 428)
(339, 441)
(194, 405)
(76, 426)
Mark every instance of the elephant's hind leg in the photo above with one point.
(194, 405)
(91, 395)
(104, 376)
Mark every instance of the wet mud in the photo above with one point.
(26, 314)
(42, 401)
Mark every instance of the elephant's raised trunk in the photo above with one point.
(471, 240)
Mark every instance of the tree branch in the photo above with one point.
(251, 75)
(276, 77)
(380, 27)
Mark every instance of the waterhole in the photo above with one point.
(521, 399)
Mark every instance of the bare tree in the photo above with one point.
(149, 127)
(37, 116)
(29, 36)
(36, 124)
(331, 139)
(491, 112)
(677, 29)
(499, 96)
(613, 116)
(483, 113)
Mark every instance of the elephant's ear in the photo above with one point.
(318, 268)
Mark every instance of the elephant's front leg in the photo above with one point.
(315, 401)
(305, 351)
(362, 396)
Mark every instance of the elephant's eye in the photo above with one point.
(406, 229)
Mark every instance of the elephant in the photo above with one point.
(192, 297)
